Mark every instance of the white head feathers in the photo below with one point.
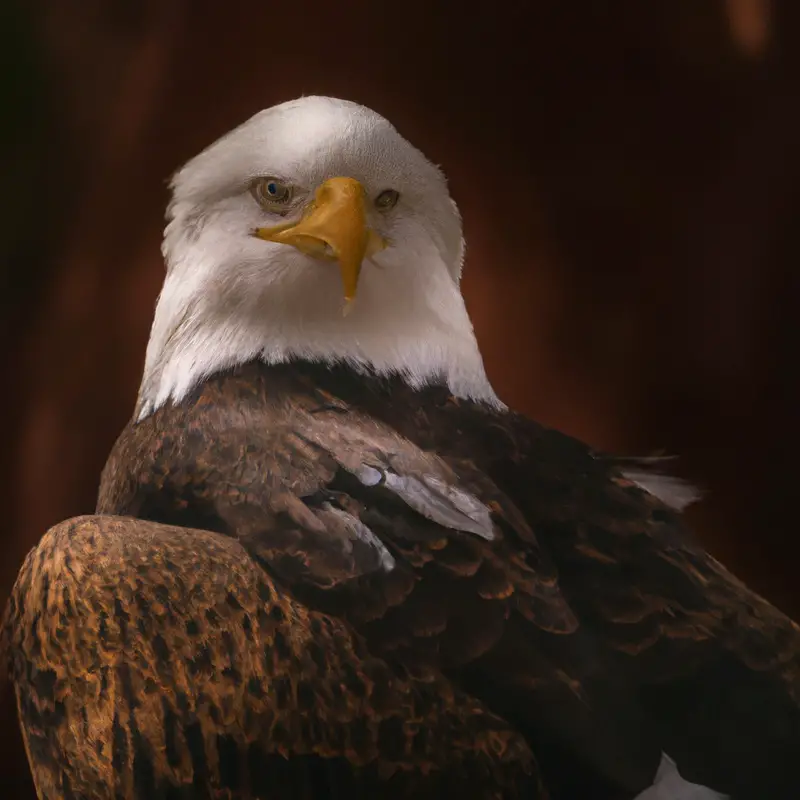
(229, 298)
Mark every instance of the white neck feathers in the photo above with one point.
(408, 321)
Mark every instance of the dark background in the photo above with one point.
(628, 173)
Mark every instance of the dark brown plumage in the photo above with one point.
(295, 567)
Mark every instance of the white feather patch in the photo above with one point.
(360, 531)
(669, 785)
(434, 499)
(674, 492)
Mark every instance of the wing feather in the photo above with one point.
(151, 660)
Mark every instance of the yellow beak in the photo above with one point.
(333, 227)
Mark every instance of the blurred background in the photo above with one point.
(632, 271)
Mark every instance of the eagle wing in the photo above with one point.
(509, 557)
(713, 666)
(155, 661)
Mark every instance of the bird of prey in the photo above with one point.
(327, 561)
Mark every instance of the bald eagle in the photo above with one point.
(327, 561)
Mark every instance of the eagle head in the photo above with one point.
(312, 231)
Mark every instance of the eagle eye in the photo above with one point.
(271, 193)
(387, 199)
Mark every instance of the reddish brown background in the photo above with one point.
(629, 175)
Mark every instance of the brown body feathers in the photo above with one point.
(305, 582)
